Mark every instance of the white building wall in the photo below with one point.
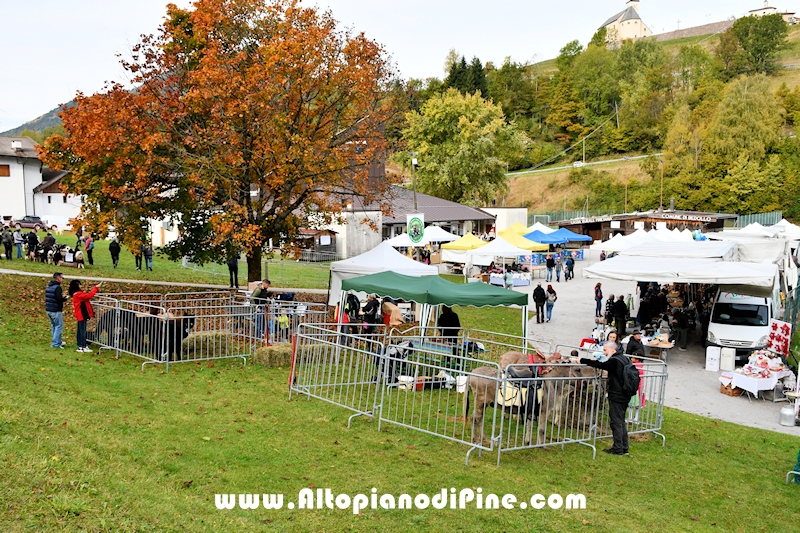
(12, 190)
(507, 216)
(53, 205)
(32, 172)
(164, 232)
(354, 238)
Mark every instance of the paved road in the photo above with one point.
(689, 388)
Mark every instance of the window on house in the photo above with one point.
(65, 198)
(49, 199)
(5, 171)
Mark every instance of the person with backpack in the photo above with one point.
(551, 301)
(623, 383)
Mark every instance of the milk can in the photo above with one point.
(787, 416)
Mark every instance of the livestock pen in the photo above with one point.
(193, 326)
(463, 391)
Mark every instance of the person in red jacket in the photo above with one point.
(82, 306)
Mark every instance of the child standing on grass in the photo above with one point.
(82, 306)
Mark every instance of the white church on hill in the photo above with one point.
(627, 24)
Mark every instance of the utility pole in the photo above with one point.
(626, 196)
(414, 178)
(661, 205)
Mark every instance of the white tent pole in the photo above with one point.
(525, 328)
(342, 297)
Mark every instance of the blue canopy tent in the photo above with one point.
(545, 238)
(570, 235)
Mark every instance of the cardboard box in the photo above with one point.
(712, 358)
(727, 359)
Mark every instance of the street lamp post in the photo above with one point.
(414, 177)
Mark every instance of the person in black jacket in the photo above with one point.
(635, 346)
(372, 313)
(33, 242)
(449, 325)
(114, 249)
(620, 315)
(54, 305)
(617, 400)
(539, 298)
(233, 268)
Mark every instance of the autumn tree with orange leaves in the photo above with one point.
(247, 119)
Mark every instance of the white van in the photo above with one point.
(741, 322)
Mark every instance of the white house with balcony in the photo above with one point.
(31, 189)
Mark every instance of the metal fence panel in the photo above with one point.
(496, 344)
(423, 389)
(337, 367)
(457, 392)
(169, 329)
(765, 219)
(560, 404)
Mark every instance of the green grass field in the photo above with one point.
(91, 443)
(282, 272)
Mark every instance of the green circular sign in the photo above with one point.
(415, 230)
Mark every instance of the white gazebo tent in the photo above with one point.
(380, 259)
(759, 279)
(540, 227)
(498, 248)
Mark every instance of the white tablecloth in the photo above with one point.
(753, 385)
(520, 279)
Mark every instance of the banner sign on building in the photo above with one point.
(415, 227)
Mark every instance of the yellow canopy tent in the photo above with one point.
(521, 242)
(517, 228)
(467, 242)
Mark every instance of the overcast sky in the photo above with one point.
(52, 48)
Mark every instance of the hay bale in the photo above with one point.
(277, 355)
(209, 344)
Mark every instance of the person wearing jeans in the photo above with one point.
(82, 306)
(148, 256)
(54, 306)
(551, 301)
(19, 240)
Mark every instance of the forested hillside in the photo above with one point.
(722, 109)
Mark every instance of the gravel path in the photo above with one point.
(689, 388)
